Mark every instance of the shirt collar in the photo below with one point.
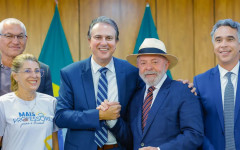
(224, 71)
(1, 65)
(96, 66)
(4, 67)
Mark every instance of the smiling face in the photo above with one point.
(28, 77)
(10, 48)
(226, 46)
(152, 68)
(102, 43)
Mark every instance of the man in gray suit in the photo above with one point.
(13, 39)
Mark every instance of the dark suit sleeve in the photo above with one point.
(122, 132)
(206, 143)
(191, 125)
(67, 114)
(132, 81)
(46, 81)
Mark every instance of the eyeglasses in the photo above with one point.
(20, 37)
(39, 72)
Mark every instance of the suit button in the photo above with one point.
(142, 144)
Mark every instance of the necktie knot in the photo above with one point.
(151, 89)
(228, 75)
(103, 70)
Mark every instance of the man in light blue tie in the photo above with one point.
(219, 90)
(86, 84)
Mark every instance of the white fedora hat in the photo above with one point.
(152, 46)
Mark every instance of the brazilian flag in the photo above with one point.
(56, 54)
(147, 30)
(55, 51)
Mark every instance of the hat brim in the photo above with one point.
(132, 59)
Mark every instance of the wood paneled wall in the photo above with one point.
(183, 25)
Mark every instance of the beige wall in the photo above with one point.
(183, 25)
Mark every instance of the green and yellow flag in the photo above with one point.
(55, 51)
(147, 30)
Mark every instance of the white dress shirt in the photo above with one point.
(112, 91)
(224, 80)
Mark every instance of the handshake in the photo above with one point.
(109, 110)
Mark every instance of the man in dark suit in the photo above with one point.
(164, 114)
(80, 89)
(219, 92)
(13, 39)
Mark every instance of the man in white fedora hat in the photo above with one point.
(164, 114)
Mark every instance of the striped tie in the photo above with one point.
(229, 114)
(101, 134)
(147, 106)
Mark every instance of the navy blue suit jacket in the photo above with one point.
(208, 87)
(174, 121)
(76, 106)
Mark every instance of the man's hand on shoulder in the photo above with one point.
(190, 85)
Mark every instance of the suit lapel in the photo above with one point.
(217, 94)
(237, 103)
(88, 85)
(161, 96)
(121, 82)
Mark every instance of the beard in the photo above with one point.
(152, 81)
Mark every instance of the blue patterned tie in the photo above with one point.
(229, 114)
(101, 134)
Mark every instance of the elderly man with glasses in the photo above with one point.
(13, 39)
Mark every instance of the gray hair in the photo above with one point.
(103, 19)
(226, 22)
(12, 21)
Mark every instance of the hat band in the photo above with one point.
(151, 50)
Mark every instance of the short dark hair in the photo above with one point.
(103, 19)
(226, 22)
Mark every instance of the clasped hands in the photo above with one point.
(109, 110)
